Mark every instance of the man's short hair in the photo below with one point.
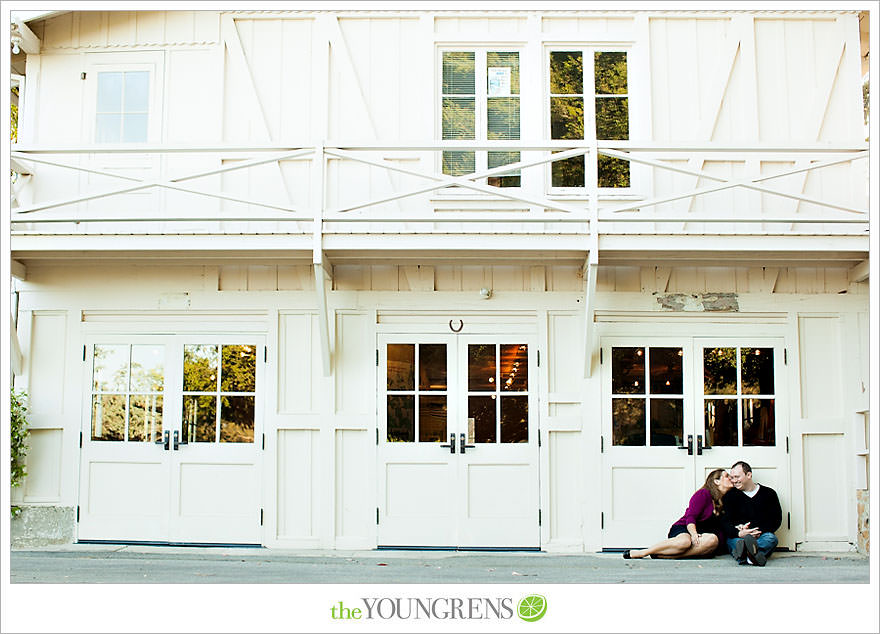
(742, 463)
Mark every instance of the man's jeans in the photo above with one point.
(766, 543)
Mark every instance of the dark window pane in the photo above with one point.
(401, 419)
(759, 422)
(719, 370)
(666, 373)
(482, 410)
(610, 72)
(236, 419)
(432, 418)
(458, 73)
(757, 370)
(502, 118)
(505, 59)
(199, 418)
(720, 420)
(459, 121)
(200, 364)
(567, 118)
(612, 172)
(566, 72)
(239, 369)
(515, 419)
(108, 417)
(459, 163)
(667, 421)
(628, 421)
(147, 368)
(628, 370)
(497, 159)
(432, 366)
(145, 417)
(515, 367)
(401, 366)
(568, 172)
(110, 371)
(481, 367)
(612, 118)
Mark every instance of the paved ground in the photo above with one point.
(162, 564)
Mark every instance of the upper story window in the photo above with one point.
(122, 106)
(480, 100)
(589, 99)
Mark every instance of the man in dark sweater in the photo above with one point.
(751, 516)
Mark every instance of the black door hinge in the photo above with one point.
(539, 358)
(539, 437)
(77, 514)
(377, 435)
(602, 520)
(80, 440)
(84, 353)
(601, 357)
(786, 444)
(785, 355)
(539, 517)
(265, 354)
(789, 520)
(261, 517)
(601, 444)
(377, 516)
(264, 442)
(377, 357)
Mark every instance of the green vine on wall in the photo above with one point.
(18, 440)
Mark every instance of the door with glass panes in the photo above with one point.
(674, 410)
(457, 442)
(171, 440)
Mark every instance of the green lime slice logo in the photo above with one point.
(532, 608)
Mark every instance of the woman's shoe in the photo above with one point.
(626, 554)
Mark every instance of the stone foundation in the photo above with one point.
(863, 497)
(43, 526)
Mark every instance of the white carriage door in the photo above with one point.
(215, 457)
(741, 412)
(418, 477)
(648, 439)
(496, 417)
(124, 468)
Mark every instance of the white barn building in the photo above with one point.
(457, 279)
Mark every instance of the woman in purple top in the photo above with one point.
(698, 532)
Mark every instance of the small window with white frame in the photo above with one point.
(588, 98)
(480, 101)
(122, 106)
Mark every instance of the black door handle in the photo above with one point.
(701, 446)
(164, 440)
(178, 441)
(464, 446)
(451, 444)
(690, 445)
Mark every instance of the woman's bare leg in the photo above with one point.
(708, 544)
(674, 547)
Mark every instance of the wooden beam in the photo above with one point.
(859, 273)
(589, 318)
(18, 270)
(24, 37)
(16, 359)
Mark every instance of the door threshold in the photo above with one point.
(482, 549)
(129, 542)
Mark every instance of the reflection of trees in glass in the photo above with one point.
(719, 370)
(667, 421)
(127, 381)
(628, 421)
(759, 422)
(401, 419)
(514, 419)
(757, 370)
(482, 410)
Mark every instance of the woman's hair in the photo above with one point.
(713, 489)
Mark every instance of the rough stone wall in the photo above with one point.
(43, 526)
(863, 496)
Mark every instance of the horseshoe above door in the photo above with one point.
(454, 329)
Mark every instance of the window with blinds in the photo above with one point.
(481, 102)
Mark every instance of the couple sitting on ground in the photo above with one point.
(730, 512)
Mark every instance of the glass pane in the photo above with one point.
(628, 370)
(110, 371)
(628, 421)
(497, 159)
(401, 419)
(432, 418)
(515, 419)
(566, 72)
(134, 128)
(147, 368)
(401, 366)
(719, 370)
(612, 118)
(515, 368)
(109, 92)
(108, 128)
(667, 421)
(610, 72)
(108, 417)
(459, 163)
(566, 118)
(721, 422)
(199, 418)
(505, 59)
(458, 73)
(666, 376)
(236, 419)
(145, 417)
(200, 365)
(568, 172)
(502, 115)
(482, 410)
(432, 366)
(481, 367)
(612, 172)
(137, 89)
(459, 119)
(757, 370)
(759, 422)
(239, 369)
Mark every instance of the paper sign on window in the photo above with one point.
(471, 431)
(499, 81)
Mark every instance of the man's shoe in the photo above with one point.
(739, 552)
(755, 556)
(626, 554)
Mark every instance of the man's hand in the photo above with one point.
(745, 530)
